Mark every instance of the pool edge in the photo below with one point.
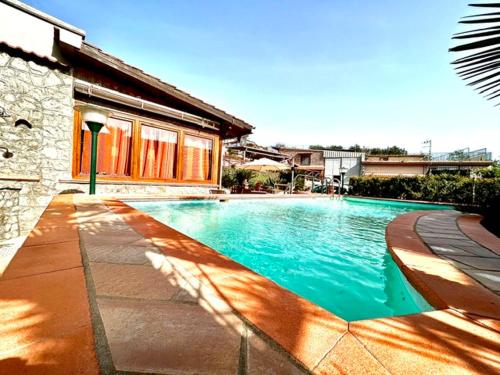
(442, 341)
(435, 278)
(356, 335)
(316, 341)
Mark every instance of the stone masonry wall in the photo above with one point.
(41, 165)
(42, 155)
(139, 189)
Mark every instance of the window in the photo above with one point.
(136, 148)
(114, 148)
(197, 158)
(158, 155)
(305, 159)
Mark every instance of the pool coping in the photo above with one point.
(213, 197)
(467, 338)
(434, 277)
(450, 204)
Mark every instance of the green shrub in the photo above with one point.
(241, 175)
(435, 188)
(229, 177)
(285, 177)
(265, 179)
(491, 172)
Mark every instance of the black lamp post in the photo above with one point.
(95, 118)
(343, 170)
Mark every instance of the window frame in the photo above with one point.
(213, 171)
(139, 145)
(77, 139)
(134, 177)
(302, 157)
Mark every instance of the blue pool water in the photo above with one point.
(331, 252)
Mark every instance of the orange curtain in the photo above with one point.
(158, 153)
(197, 158)
(113, 149)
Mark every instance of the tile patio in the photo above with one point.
(99, 287)
(440, 231)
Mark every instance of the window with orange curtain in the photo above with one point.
(114, 148)
(197, 158)
(158, 155)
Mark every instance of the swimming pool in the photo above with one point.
(331, 252)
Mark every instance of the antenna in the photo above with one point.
(428, 145)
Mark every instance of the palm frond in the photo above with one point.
(481, 67)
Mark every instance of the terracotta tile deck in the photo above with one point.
(133, 295)
(441, 232)
(44, 311)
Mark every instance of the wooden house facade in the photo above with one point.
(158, 139)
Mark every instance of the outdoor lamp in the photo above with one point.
(94, 118)
(293, 177)
(343, 171)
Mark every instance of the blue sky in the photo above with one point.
(375, 73)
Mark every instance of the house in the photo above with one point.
(420, 165)
(239, 151)
(325, 163)
(395, 165)
(158, 139)
(348, 162)
(305, 160)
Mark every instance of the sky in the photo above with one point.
(374, 73)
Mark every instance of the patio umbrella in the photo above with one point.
(265, 165)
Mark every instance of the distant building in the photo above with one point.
(305, 160)
(325, 163)
(348, 161)
(239, 151)
(420, 165)
(329, 163)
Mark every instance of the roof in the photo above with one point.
(445, 163)
(309, 167)
(396, 155)
(51, 40)
(342, 154)
(258, 151)
(118, 64)
(299, 150)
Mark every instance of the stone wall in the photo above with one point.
(42, 95)
(139, 189)
(41, 165)
(9, 213)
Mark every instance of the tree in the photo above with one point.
(357, 148)
(331, 147)
(493, 171)
(481, 69)
(394, 150)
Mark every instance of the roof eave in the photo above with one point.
(115, 63)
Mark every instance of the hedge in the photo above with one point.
(434, 188)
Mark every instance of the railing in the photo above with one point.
(332, 181)
(326, 182)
